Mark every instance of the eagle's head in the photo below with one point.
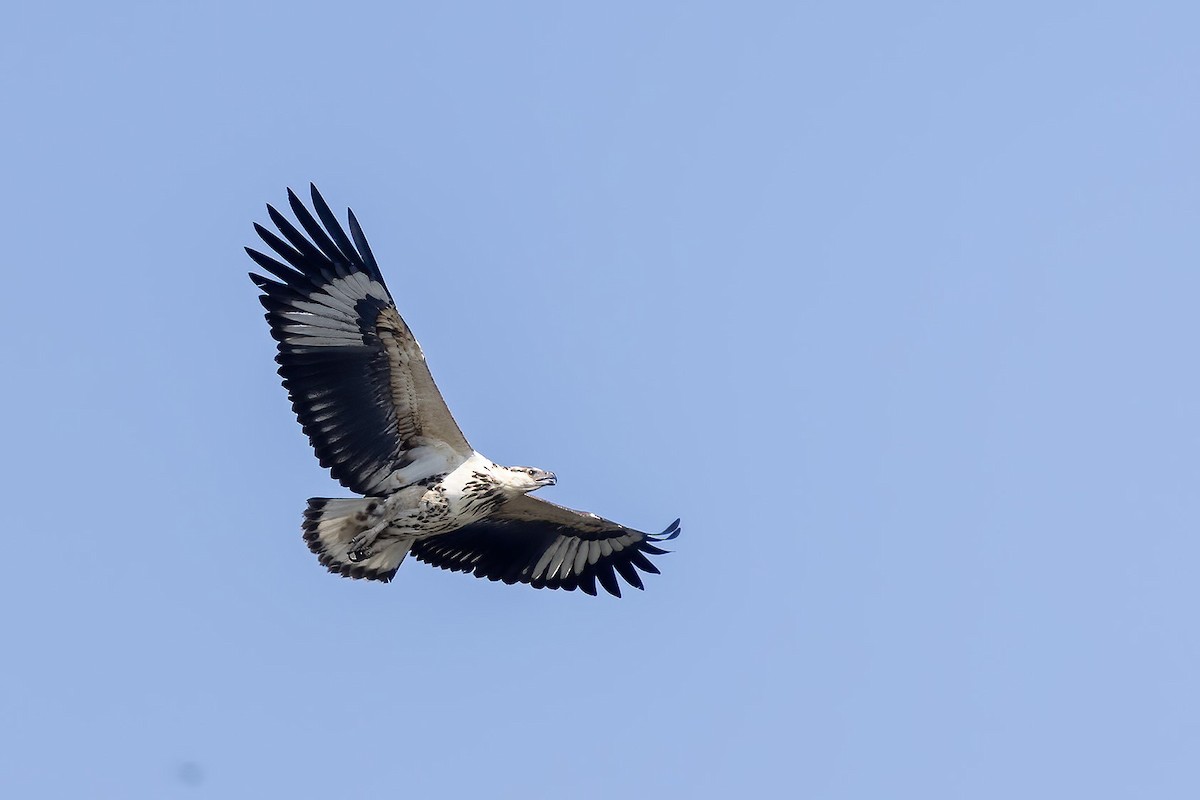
(523, 480)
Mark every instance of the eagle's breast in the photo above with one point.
(465, 495)
(481, 495)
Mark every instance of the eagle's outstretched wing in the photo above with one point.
(356, 377)
(546, 545)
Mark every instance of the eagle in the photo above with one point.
(362, 392)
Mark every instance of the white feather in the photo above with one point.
(568, 559)
(557, 561)
(544, 561)
(581, 557)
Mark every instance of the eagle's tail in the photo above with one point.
(330, 524)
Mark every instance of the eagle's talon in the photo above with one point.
(359, 547)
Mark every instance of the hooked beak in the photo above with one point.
(547, 479)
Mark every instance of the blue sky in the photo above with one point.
(894, 304)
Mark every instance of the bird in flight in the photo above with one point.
(363, 393)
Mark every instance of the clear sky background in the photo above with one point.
(895, 304)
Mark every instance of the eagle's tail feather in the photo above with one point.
(330, 524)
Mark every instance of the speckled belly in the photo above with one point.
(446, 507)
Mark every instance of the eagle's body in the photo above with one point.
(363, 393)
(377, 532)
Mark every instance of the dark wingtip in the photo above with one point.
(364, 249)
(333, 227)
(608, 580)
(668, 533)
(625, 570)
(639, 560)
(272, 266)
(262, 232)
(275, 216)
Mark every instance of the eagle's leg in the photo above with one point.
(376, 518)
(359, 548)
